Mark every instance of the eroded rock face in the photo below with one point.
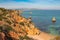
(13, 35)
(2, 36)
(14, 25)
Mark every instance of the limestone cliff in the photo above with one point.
(15, 27)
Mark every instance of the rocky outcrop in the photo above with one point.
(2, 36)
(13, 25)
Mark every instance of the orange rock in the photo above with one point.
(14, 35)
(2, 36)
(1, 22)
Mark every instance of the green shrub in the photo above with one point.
(5, 27)
(1, 18)
(4, 14)
(0, 28)
(26, 38)
(8, 22)
(21, 23)
(9, 28)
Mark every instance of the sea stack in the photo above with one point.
(53, 19)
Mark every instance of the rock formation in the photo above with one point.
(14, 26)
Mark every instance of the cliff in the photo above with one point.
(15, 27)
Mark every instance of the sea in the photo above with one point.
(43, 20)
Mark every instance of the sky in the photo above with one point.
(36, 4)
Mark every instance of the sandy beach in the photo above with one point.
(42, 36)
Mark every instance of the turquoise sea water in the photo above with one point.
(43, 20)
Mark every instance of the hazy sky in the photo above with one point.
(38, 4)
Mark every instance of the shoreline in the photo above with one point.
(42, 36)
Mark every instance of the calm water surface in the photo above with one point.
(42, 19)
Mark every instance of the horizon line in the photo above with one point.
(29, 8)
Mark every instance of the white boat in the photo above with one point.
(53, 19)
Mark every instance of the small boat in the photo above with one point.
(53, 19)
